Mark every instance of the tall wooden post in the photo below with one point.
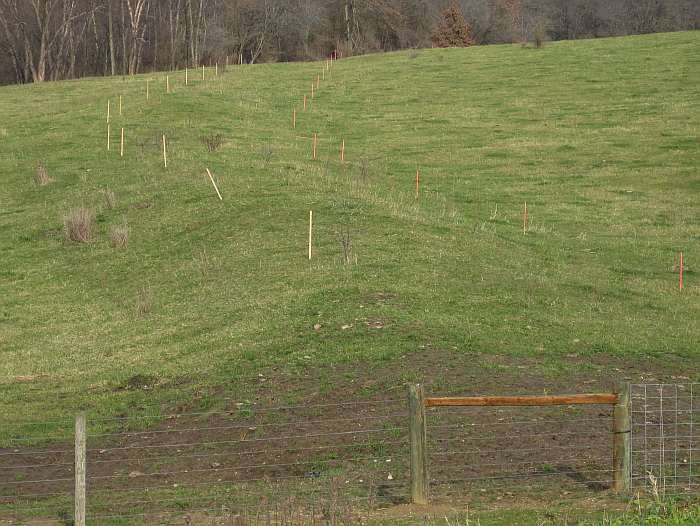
(622, 431)
(418, 442)
(80, 468)
(311, 227)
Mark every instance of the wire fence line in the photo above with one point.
(666, 437)
(330, 462)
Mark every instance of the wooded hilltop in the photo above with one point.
(59, 39)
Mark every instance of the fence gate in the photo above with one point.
(665, 453)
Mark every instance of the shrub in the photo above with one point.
(119, 236)
(78, 225)
(41, 178)
(539, 35)
(453, 30)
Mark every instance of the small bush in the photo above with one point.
(144, 302)
(110, 199)
(453, 30)
(213, 142)
(78, 225)
(119, 236)
(539, 35)
(41, 178)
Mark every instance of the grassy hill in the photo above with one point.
(599, 137)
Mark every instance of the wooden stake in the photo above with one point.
(314, 147)
(342, 152)
(417, 435)
(294, 118)
(417, 181)
(622, 441)
(80, 471)
(120, 105)
(167, 84)
(121, 148)
(312, 90)
(108, 111)
(108, 137)
(304, 102)
(203, 78)
(311, 226)
(165, 154)
(187, 75)
(215, 187)
(318, 82)
(681, 272)
(216, 71)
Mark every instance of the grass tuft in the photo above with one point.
(41, 177)
(119, 236)
(110, 199)
(79, 225)
(144, 302)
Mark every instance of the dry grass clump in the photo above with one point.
(119, 236)
(79, 225)
(144, 302)
(41, 177)
(213, 142)
(110, 198)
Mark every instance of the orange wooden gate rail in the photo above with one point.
(417, 403)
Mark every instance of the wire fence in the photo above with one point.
(484, 449)
(330, 463)
(666, 438)
(256, 465)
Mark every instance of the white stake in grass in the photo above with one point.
(203, 73)
(311, 226)
(215, 187)
(167, 84)
(121, 147)
(108, 137)
(165, 154)
(187, 82)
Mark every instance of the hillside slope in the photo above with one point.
(600, 138)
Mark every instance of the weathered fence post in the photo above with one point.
(80, 469)
(622, 441)
(417, 437)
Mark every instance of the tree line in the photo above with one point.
(58, 39)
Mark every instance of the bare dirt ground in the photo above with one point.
(351, 440)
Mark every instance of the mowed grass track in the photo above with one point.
(599, 137)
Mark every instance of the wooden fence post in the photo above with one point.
(80, 468)
(622, 441)
(418, 439)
